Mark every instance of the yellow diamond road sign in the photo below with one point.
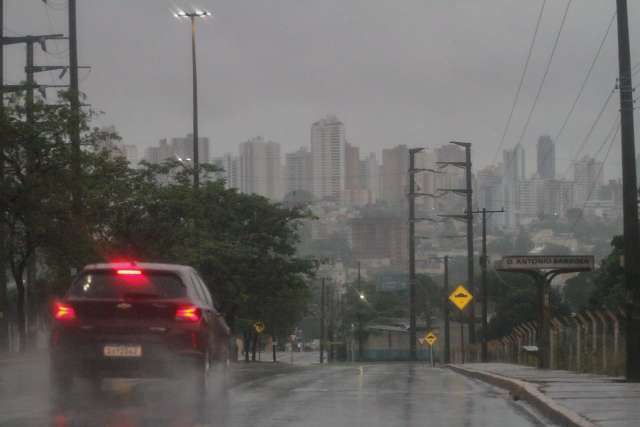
(259, 327)
(461, 297)
(430, 338)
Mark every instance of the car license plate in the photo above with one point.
(122, 351)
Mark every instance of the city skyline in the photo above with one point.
(383, 102)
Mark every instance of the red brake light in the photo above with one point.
(62, 311)
(129, 272)
(189, 313)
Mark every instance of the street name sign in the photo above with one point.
(546, 262)
(461, 297)
(430, 338)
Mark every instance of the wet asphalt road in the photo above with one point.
(391, 394)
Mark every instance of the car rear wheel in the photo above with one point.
(201, 376)
(61, 383)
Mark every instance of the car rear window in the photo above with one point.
(109, 284)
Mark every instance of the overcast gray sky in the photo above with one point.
(416, 72)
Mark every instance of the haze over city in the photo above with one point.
(416, 72)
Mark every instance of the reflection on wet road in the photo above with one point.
(390, 394)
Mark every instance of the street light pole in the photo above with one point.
(196, 162)
(196, 158)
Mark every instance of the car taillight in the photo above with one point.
(62, 311)
(188, 313)
(129, 272)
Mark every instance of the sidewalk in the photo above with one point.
(566, 397)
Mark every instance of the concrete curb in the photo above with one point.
(531, 394)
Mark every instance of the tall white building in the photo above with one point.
(111, 143)
(328, 158)
(230, 166)
(183, 148)
(588, 179)
(513, 163)
(298, 171)
(260, 168)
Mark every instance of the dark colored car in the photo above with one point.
(136, 320)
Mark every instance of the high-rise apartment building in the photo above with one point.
(183, 148)
(230, 166)
(328, 158)
(588, 179)
(513, 164)
(352, 170)
(299, 173)
(160, 153)
(112, 144)
(395, 167)
(260, 168)
(546, 158)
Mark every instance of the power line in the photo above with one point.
(520, 84)
(546, 72)
(586, 78)
(591, 128)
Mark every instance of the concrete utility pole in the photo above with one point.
(468, 218)
(4, 324)
(359, 315)
(629, 198)
(331, 335)
(445, 311)
(484, 357)
(196, 157)
(412, 253)
(74, 125)
(322, 295)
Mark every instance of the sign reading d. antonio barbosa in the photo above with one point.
(547, 262)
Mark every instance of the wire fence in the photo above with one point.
(592, 341)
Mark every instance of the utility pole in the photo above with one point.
(322, 292)
(412, 252)
(29, 87)
(332, 314)
(484, 356)
(4, 324)
(74, 125)
(629, 198)
(445, 311)
(360, 334)
(468, 218)
(412, 245)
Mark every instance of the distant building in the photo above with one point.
(159, 153)
(370, 174)
(299, 173)
(546, 158)
(111, 143)
(328, 158)
(513, 163)
(231, 166)
(380, 237)
(352, 169)
(183, 148)
(260, 168)
(588, 179)
(488, 188)
(395, 166)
